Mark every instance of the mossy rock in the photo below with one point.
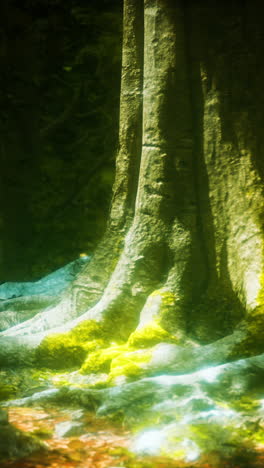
(68, 350)
(59, 352)
(129, 365)
(150, 335)
(88, 330)
(100, 361)
(23, 382)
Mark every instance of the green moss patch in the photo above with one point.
(118, 361)
(150, 335)
(129, 365)
(100, 361)
(87, 330)
(67, 350)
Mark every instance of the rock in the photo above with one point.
(69, 429)
(22, 301)
(195, 413)
(184, 359)
(46, 395)
(64, 396)
(51, 285)
(24, 309)
(25, 303)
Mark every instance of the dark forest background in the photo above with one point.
(59, 93)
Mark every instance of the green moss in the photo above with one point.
(253, 342)
(102, 382)
(130, 365)
(260, 298)
(150, 335)
(167, 311)
(117, 361)
(7, 391)
(66, 350)
(87, 330)
(60, 352)
(246, 404)
(42, 433)
(94, 345)
(99, 361)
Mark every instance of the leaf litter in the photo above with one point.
(103, 445)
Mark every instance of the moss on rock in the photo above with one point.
(66, 350)
(87, 330)
(121, 362)
(100, 361)
(150, 335)
(129, 365)
(59, 352)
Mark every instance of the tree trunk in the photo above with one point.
(183, 247)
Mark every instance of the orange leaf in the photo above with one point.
(76, 444)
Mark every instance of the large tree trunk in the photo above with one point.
(183, 246)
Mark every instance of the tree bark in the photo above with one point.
(184, 243)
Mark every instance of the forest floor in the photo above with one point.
(103, 444)
(223, 405)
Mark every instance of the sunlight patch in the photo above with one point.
(192, 450)
(150, 442)
(210, 374)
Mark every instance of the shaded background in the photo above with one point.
(60, 64)
(59, 93)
